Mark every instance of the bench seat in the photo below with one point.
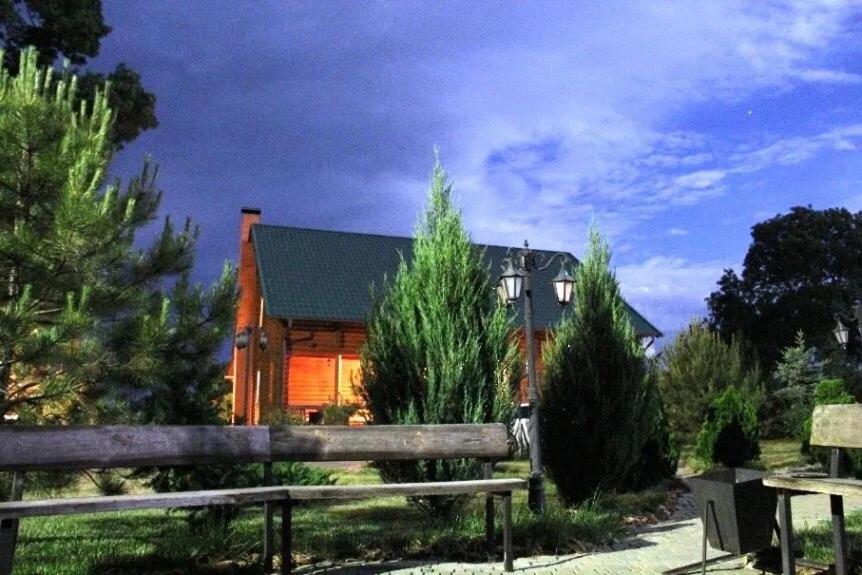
(248, 495)
(837, 427)
(844, 486)
(53, 448)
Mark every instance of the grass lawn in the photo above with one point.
(159, 541)
(816, 541)
(774, 454)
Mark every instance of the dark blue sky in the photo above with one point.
(675, 126)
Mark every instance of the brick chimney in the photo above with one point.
(247, 315)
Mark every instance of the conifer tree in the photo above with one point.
(595, 403)
(439, 349)
(72, 277)
(697, 367)
(798, 365)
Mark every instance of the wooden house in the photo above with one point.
(304, 298)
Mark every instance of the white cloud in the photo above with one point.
(677, 232)
(573, 126)
(670, 291)
(702, 179)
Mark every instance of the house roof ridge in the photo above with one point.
(398, 237)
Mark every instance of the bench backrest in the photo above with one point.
(28, 448)
(837, 426)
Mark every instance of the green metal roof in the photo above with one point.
(326, 275)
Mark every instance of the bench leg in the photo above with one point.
(267, 522)
(489, 515)
(508, 556)
(9, 528)
(489, 527)
(785, 520)
(286, 528)
(839, 534)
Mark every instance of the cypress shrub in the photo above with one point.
(439, 349)
(595, 418)
(731, 432)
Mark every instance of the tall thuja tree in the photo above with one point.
(439, 349)
(70, 271)
(595, 400)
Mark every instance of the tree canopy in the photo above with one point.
(800, 270)
(75, 286)
(73, 29)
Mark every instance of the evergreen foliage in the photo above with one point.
(695, 368)
(730, 433)
(595, 394)
(784, 411)
(439, 349)
(798, 366)
(660, 455)
(85, 325)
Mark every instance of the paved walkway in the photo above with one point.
(649, 551)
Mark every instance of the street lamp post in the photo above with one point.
(842, 331)
(517, 277)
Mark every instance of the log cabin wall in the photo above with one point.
(321, 364)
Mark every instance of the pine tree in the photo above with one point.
(71, 274)
(439, 349)
(167, 355)
(595, 416)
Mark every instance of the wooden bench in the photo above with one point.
(24, 449)
(838, 427)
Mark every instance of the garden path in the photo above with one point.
(648, 551)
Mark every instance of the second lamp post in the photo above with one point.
(515, 279)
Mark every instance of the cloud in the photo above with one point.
(700, 179)
(546, 116)
(582, 134)
(670, 291)
(677, 232)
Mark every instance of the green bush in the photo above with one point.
(296, 473)
(695, 368)
(595, 401)
(439, 349)
(223, 476)
(338, 414)
(282, 417)
(730, 434)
